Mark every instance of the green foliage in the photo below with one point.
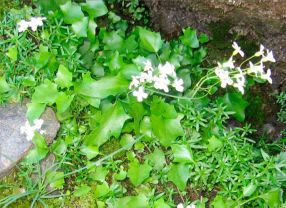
(137, 172)
(150, 41)
(281, 100)
(236, 104)
(110, 124)
(121, 152)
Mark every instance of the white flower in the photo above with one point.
(161, 82)
(140, 94)
(269, 57)
(134, 83)
(178, 85)
(180, 205)
(148, 66)
(29, 130)
(146, 76)
(260, 52)
(36, 22)
(228, 64)
(22, 26)
(224, 77)
(167, 69)
(237, 49)
(38, 123)
(267, 76)
(240, 81)
(191, 206)
(256, 69)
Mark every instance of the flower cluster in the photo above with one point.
(160, 78)
(189, 206)
(29, 130)
(34, 23)
(234, 76)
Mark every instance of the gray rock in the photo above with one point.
(13, 145)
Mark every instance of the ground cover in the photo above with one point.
(145, 122)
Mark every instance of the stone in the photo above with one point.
(262, 21)
(13, 145)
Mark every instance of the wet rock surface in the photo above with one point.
(261, 20)
(14, 145)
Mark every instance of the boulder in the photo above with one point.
(263, 21)
(13, 145)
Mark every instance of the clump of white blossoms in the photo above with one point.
(161, 78)
(235, 76)
(34, 23)
(189, 206)
(29, 130)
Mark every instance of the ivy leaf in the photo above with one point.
(160, 107)
(112, 41)
(40, 150)
(214, 144)
(115, 63)
(218, 202)
(35, 110)
(59, 147)
(138, 173)
(80, 27)
(42, 58)
(101, 190)
(179, 175)
(182, 153)
(166, 130)
(63, 102)
(249, 189)
(139, 201)
(64, 77)
(110, 124)
(156, 159)
(273, 198)
(12, 53)
(190, 38)
(51, 5)
(45, 93)
(129, 70)
(161, 204)
(235, 102)
(112, 85)
(94, 8)
(145, 127)
(100, 174)
(150, 41)
(137, 111)
(121, 175)
(72, 12)
(4, 86)
(89, 151)
(82, 190)
(204, 38)
(95, 102)
(91, 30)
(56, 179)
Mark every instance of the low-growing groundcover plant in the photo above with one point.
(143, 124)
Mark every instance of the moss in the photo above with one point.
(87, 201)
(221, 37)
(254, 112)
(10, 185)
